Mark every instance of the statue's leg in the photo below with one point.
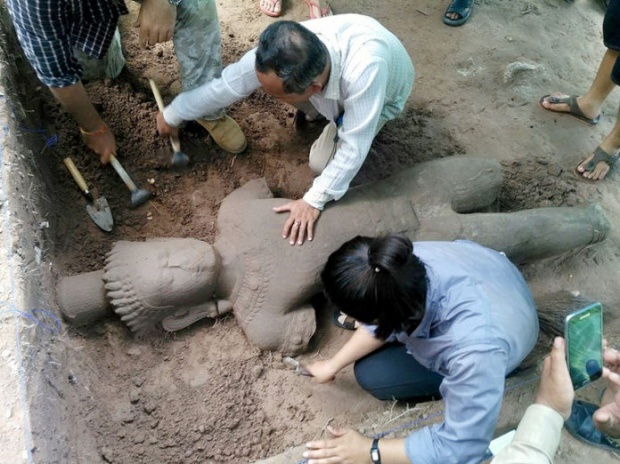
(82, 298)
(461, 183)
(525, 235)
(271, 330)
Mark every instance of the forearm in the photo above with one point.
(537, 438)
(238, 80)
(359, 345)
(74, 99)
(393, 451)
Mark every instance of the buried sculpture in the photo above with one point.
(268, 283)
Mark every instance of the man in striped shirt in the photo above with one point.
(63, 38)
(348, 68)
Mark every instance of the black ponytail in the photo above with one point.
(378, 281)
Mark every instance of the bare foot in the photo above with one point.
(271, 7)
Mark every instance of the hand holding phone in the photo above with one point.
(584, 344)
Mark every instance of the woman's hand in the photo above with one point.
(322, 371)
(347, 447)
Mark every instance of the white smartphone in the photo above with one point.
(584, 344)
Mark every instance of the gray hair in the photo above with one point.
(293, 52)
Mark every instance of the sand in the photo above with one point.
(205, 394)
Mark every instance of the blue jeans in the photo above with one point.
(392, 373)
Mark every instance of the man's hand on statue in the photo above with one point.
(607, 417)
(102, 142)
(347, 447)
(300, 223)
(322, 371)
(156, 21)
(164, 129)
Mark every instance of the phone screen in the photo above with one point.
(584, 344)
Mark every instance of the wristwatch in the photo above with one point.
(375, 456)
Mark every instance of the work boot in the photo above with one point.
(226, 133)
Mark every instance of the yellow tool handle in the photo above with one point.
(176, 146)
(76, 174)
(122, 173)
(158, 99)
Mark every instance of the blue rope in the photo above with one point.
(49, 141)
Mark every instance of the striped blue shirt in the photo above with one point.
(50, 30)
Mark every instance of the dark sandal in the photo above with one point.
(581, 426)
(345, 322)
(599, 155)
(573, 111)
(460, 7)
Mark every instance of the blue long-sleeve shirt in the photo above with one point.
(480, 323)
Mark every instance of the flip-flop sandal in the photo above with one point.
(573, 111)
(581, 426)
(599, 155)
(460, 7)
(345, 322)
(271, 13)
(326, 11)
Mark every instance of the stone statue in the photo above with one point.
(268, 283)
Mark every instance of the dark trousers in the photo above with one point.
(392, 373)
(611, 35)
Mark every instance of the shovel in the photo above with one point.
(179, 159)
(97, 207)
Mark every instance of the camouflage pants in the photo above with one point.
(197, 45)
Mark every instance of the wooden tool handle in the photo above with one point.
(122, 173)
(158, 99)
(76, 175)
(176, 145)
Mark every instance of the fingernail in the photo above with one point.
(292, 242)
(305, 454)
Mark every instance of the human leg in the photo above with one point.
(198, 48)
(392, 373)
(591, 102)
(109, 66)
(608, 74)
(197, 42)
(324, 148)
(596, 166)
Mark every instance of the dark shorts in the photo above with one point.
(611, 35)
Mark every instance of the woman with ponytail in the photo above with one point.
(439, 319)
